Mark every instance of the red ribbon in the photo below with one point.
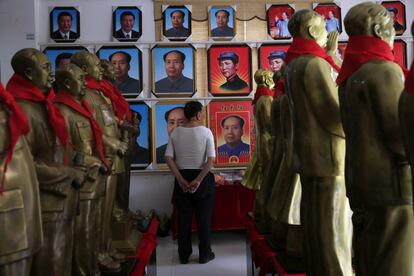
(18, 125)
(262, 91)
(119, 103)
(362, 49)
(409, 81)
(25, 90)
(85, 110)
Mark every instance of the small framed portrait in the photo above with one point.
(60, 56)
(173, 72)
(331, 13)
(176, 22)
(397, 13)
(222, 22)
(127, 61)
(229, 70)
(64, 24)
(232, 125)
(340, 52)
(278, 17)
(400, 52)
(272, 56)
(126, 23)
(140, 148)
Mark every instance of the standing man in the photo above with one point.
(232, 127)
(222, 29)
(178, 30)
(282, 25)
(127, 24)
(332, 23)
(229, 64)
(121, 61)
(64, 26)
(175, 80)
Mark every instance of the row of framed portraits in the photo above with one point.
(127, 21)
(231, 122)
(229, 66)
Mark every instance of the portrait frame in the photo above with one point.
(212, 23)
(273, 10)
(116, 23)
(135, 71)
(341, 49)
(52, 52)
(144, 139)
(53, 24)
(159, 75)
(167, 10)
(265, 50)
(323, 10)
(401, 15)
(217, 82)
(219, 110)
(400, 52)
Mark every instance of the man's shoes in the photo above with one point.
(184, 259)
(208, 257)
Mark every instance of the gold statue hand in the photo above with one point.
(332, 44)
(78, 175)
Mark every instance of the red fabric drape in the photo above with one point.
(262, 91)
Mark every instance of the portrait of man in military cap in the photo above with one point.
(272, 56)
(396, 9)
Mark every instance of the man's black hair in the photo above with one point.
(126, 13)
(182, 55)
(227, 13)
(179, 11)
(191, 109)
(128, 56)
(64, 13)
(169, 111)
(61, 56)
(240, 119)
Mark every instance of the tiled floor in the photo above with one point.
(229, 247)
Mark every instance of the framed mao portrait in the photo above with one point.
(400, 52)
(176, 22)
(229, 70)
(127, 61)
(397, 13)
(64, 23)
(232, 125)
(59, 56)
(331, 13)
(126, 23)
(278, 17)
(221, 22)
(173, 71)
(272, 56)
(140, 147)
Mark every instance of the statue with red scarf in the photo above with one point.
(378, 175)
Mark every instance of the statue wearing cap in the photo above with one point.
(228, 63)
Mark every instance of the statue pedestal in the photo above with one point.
(125, 236)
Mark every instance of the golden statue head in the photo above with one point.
(108, 70)
(370, 19)
(34, 66)
(264, 77)
(89, 63)
(309, 25)
(71, 78)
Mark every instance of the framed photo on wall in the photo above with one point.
(331, 13)
(222, 22)
(229, 70)
(278, 17)
(173, 71)
(64, 24)
(141, 144)
(340, 52)
(272, 56)
(127, 61)
(232, 125)
(126, 23)
(59, 56)
(400, 52)
(176, 22)
(397, 13)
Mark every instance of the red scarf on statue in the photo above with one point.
(119, 103)
(362, 49)
(18, 125)
(300, 47)
(409, 81)
(25, 90)
(262, 91)
(85, 110)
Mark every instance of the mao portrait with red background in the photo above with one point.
(331, 13)
(278, 17)
(397, 13)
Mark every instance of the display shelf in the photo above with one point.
(166, 171)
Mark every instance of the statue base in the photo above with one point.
(125, 236)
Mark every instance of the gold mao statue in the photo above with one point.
(20, 215)
(31, 86)
(319, 146)
(114, 148)
(379, 183)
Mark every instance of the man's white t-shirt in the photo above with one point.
(191, 146)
